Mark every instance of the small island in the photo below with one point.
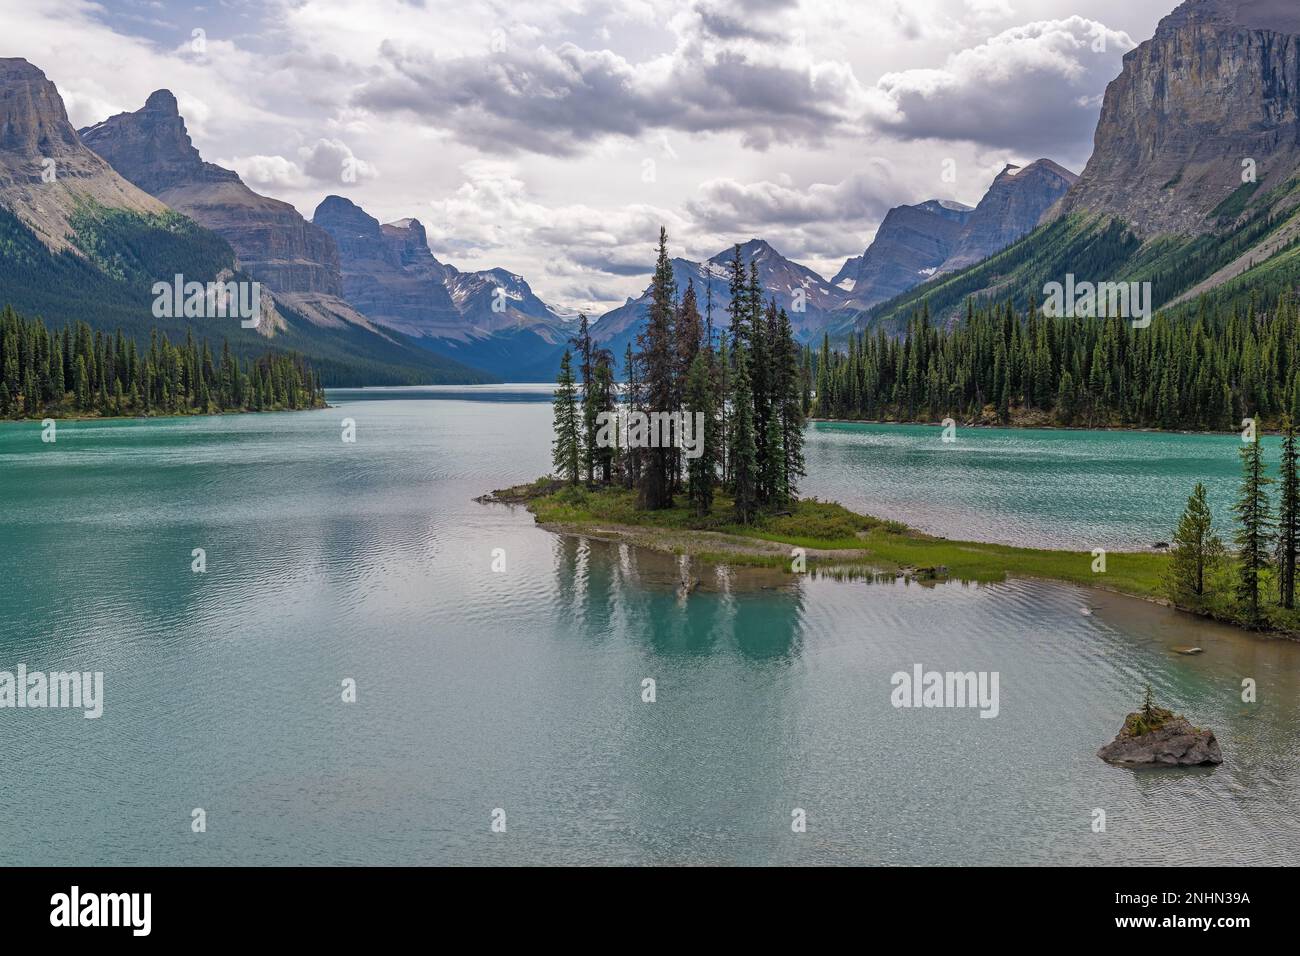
(700, 453)
(821, 538)
(1156, 737)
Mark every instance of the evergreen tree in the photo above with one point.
(771, 465)
(737, 308)
(789, 400)
(699, 404)
(1254, 526)
(1288, 530)
(743, 454)
(567, 447)
(659, 382)
(583, 344)
(722, 373)
(1180, 375)
(1195, 549)
(632, 399)
(107, 377)
(82, 379)
(602, 400)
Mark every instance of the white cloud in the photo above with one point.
(267, 172)
(330, 160)
(323, 163)
(1033, 86)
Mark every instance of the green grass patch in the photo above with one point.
(865, 546)
(1235, 205)
(824, 525)
(1137, 573)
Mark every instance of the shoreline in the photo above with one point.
(154, 418)
(1040, 426)
(878, 550)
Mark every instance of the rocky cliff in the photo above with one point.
(1013, 206)
(45, 170)
(489, 319)
(388, 272)
(152, 148)
(1214, 94)
(910, 246)
(391, 275)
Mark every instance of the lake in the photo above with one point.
(521, 690)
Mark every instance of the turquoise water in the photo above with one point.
(1040, 488)
(521, 690)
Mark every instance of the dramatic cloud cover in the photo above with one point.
(1038, 86)
(553, 138)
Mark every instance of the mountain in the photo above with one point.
(1012, 208)
(780, 278)
(77, 241)
(297, 262)
(1215, 87)
(916, 243)
(151, 147)
(912, 243)
(46, 173)
(389, 273)
(1192, 185)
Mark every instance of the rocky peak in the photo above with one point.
(163, 101)
(388, 271)
(340, 212)
(780, 278)
(33, 121)
(411, 229)
(943, 208)
(1212, 93)
(408, 237)
(911, 244)
(752, 250)
(1018, 199)
(36, 140)
(1278, 16)
(152, 148)
(360, 236)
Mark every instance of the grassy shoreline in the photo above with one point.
(61, 417)
(837, 542)
(1029, 425)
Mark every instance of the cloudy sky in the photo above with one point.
(552, 137)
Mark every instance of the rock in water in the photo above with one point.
(1171, 742)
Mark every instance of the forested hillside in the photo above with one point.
(999, 366)
(76, 371)
(1101, 248)
(125, 253)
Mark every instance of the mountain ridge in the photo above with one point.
(82, 242)
(488, 318)
(1193, 182)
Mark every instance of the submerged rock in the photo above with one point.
(1157, 737)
